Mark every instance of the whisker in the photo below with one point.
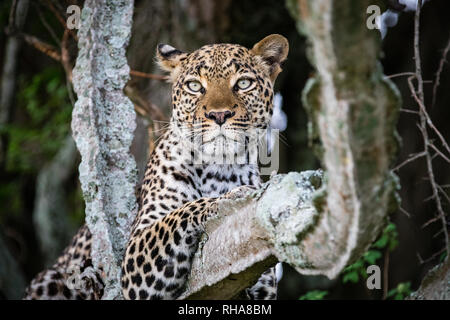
(159, 130)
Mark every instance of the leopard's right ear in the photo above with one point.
(169, 58)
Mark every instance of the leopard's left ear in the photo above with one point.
(273, 50)
(169, 58)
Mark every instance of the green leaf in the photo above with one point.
(391, 227)
(402, 290)
(351, 277)
(391, 292)
(39, 133)
(381, 242)
(314, 295)
(404, 287)
(372, 256)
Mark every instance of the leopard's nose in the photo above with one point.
(219, 117)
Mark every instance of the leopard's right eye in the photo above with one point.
(244, 84)
(194, 86)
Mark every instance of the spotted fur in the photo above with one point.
(74, 265)
(219, 92)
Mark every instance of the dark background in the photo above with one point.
(40, 121)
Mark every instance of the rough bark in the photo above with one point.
(353, 112)
(50, 215)
(435, 285)
(103, 124)
(251, 233)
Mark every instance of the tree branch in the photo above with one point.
(435, 284)
(354, 110)
(143, 107)
(437, 79)
(426, 120)
(253, 231)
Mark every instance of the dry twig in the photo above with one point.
(12, 15)
(60, 18)
(143, 107)
(438, 73)
(46, 25)
(424, 121)
(410, 159)
(42, 46)
(148, 75)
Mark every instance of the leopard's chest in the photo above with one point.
(215, 180)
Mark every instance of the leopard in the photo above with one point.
(221, 93)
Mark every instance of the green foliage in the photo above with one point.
(314, 295)
(43, 121)
(442, 256)
(10, 197)
(401, 291)
(388, 240)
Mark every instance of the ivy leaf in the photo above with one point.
(382, 242)
(392, 292)
(314, 295)
(402, 290)
(372, 256)
(351, 277)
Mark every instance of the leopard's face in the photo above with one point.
(222, 94)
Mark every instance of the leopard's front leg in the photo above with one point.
(158, 258)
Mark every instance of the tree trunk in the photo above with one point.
(103, 124)
(50, 215)
(12, 280)
(8, 84)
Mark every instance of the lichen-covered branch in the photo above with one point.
(253, 231)
(353, 111)
(435, 285)
(103, 125)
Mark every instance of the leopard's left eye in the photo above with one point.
(194, 86)
(243, 84)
